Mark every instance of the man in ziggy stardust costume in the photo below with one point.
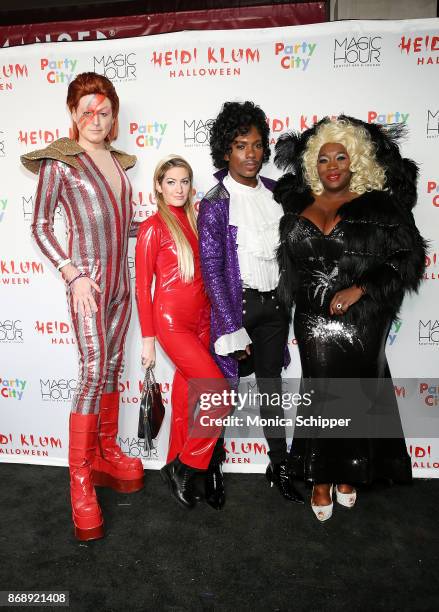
(86, 178)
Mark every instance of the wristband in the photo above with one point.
(63, 263)
(81, 275)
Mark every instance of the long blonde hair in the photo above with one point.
(185, 254)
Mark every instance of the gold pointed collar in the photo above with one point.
(65, 150)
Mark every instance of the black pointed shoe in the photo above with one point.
(278, 474)
(180, 479)
(215, 493)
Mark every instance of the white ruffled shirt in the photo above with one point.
(256, 215)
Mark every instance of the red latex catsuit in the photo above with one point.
(179, 317)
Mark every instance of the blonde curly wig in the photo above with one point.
(367, 174)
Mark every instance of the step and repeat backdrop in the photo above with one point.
(171, 86)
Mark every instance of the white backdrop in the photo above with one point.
(171, 86)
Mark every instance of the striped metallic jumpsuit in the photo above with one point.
(98, 226)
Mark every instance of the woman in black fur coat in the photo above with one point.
(349, 252)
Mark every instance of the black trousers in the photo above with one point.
(267, 325)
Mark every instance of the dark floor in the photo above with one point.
(258, 553)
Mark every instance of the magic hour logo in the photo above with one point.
(352, 52)
(60, 70)
(118, 67)
(433, 124)
(196, 132)
(294, 55)
(429, 332)
(11, 330)
(57, 389)
(206, 62)
(28, 206)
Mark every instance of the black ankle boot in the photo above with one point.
(278, 474)
(180, 479)
(214, 487)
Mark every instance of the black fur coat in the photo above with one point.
(383, 249)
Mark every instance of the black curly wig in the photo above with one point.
(237, 118)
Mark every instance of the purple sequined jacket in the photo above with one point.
(220, 267)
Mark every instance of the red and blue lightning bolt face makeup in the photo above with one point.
(94, 118)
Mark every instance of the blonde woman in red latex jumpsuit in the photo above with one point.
(179, 317)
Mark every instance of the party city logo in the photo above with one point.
(432, 190)
(432, 124)
(58, 71)
(431, 266)
(429, 393)
(149, 134)
(364, 51)
(3, 206)
(10, 74)
(19, 272)
(429, 333)
(119, 67)
(196, 132)
(386, 118)
(12, 388)
(209, 62)
(11, 330)
(393, 333)
(294, 55)
(57, 389)
(424, 48)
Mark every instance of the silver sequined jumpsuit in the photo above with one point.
(98, 225)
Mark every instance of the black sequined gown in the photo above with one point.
(332, 348)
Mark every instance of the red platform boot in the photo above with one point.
(87, 515)
(111, 468)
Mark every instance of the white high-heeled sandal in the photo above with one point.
(323, 513)
(346, 499)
